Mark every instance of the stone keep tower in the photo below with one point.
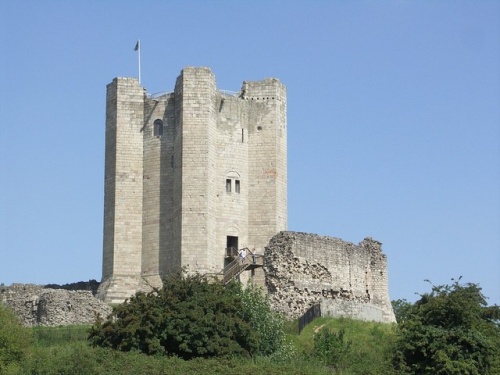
(188, 174)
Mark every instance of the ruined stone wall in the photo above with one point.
(36, 305)
(348, 280)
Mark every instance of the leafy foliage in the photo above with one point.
(401, 308)
(14, 341)
(366, 348)
(78, 358)
(331, 347)
(265, 323)
(190, 317)
(446, 332)
(51, 336)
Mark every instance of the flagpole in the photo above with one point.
(139, 50)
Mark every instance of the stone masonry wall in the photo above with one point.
(123, 186)
(36, 305)
(348, 280)
(216, 175)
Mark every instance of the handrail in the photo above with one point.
(231, 252)
(229, 93)
(237, 266)
(232, 269)
(158, 94)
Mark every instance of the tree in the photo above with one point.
(401, 307)
(447, 331)
(191, 316)
(265, 323)
(14, 341)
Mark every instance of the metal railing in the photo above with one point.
(231, 252)
(229, 93)
(158, 94)
(312, 313)
(238, 265)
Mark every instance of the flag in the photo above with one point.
(137, 46)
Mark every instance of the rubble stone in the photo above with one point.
(36, 305)
(347, 280)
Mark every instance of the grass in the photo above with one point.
(370, 349)
(64, 350)
(81, 359)
(53, 336)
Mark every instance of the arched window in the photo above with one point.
(158, 128)
(233, 184)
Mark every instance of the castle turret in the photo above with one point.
(195, 187)
(123, 189)
(267, 166)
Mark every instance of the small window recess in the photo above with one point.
(231, 249)
(158, 128)
(233, 182)
(242, 135)
(232, 242)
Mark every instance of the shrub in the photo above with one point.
(331, 347)
(267, 325)
(401, 308)
(14, 341)
(446, 332)
(190, 317)
(76, 358)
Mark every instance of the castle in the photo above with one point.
(189, 174)
(192, 175)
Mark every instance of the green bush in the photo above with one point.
(265, 323)
(15, 340)
(448, 332)
(70, 359)
(368, 350)
(77, 358)
(401, 308)
(331, 347)
(190, 317)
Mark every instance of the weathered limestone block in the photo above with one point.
(36, 305)
(348, 280)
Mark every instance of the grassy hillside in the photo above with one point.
(64, 350)
(368, 345)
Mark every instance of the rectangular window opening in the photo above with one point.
(237, 186)
(228, 185)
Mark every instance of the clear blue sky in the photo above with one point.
(393, 122)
